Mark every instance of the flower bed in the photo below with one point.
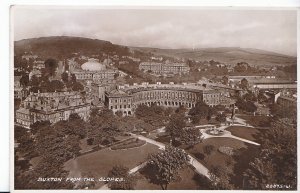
(129, 143)
(215, 132)
(226, 150)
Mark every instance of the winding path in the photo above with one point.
(199, 168)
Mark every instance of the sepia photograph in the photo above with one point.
(154, 98)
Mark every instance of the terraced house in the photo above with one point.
(52, 107)
(165, 68)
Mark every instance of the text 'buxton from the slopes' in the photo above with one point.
(101, 179)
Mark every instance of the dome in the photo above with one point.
(93, 65)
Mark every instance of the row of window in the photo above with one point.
(120, 100)
(176, 93)
(211, 95)
(120, 106)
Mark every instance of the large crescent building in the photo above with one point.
(126, 98)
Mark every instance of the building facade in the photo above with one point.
(19, 91)
(95, 71)
(164, 68)
(287, 101)
(53, 107)
(127, 98)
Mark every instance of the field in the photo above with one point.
(101, 162)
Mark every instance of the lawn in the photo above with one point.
(215, 157)
(256, 121)
(189, 180)
(100, 162)
(84, 146)
(236, 164)
(249, 133)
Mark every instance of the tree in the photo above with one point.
(250, 96)
(280, 111)
(244, 84)
(220, 178)
(73, 78)
(225, 80)
(201, 110)
(241, 67)
(34, 82)
(246, 105)
(277, 161)
(175, 126)
(221, 117)
(24, 80)
(208, 149)
(154, 115)
(65, 77)
(190, 136)
(77, 86)
(54, 85)
(166, 165)
(181, 109)
(123, 180)
(50, 67)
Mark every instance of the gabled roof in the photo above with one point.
(117, 93)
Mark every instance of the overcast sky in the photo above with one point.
(271, 30)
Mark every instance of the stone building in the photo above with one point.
(39, 64)
(96, 72)
(51, 107)
(165, 68)
(127, 98)
(287, 100)
(19, 91)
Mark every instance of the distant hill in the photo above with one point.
(63, 46)
(229, 55)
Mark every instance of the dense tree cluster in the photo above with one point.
(201, 110)
(221, 117)
(244, 105)
(279, 111)
(125, 180)
(166, 165)
(277, 162)
(54, 145)
(45, 84)
(220, 178)
(154, 115)
(103, 127)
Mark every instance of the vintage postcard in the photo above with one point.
(154, 98)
